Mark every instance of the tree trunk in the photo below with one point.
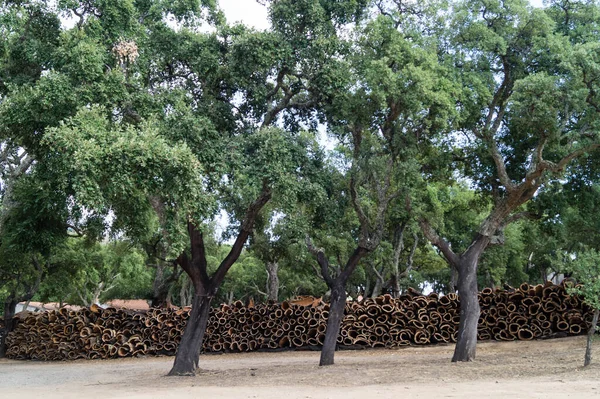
(188, 353)
(205, 287)
(96, 294)
(398, 248)
(591, 331)
(377, 289)
(466, 340)
(186, 295)
(161, 287)
(453, 279)
(272, 281)
(338, 300)
(334, 321)
(9, 317)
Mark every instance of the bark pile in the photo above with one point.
(525, 313)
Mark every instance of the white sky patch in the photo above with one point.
(324, 139)
(248, 12)
(222, 221)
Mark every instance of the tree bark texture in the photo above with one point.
(186, 293)
(378, 288)
(334, 321)
(206, 287)
(188, 353)
(160, 291)
(337, 301)
(10, 307)
(466, 339)
(273, 281)
(398, 248)
(590, 335)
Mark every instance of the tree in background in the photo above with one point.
(395, 95)
(585, 269)
(128, 126)
(528, 109)
(171, 143)
(87, 273)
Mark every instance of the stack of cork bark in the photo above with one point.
(525, 313)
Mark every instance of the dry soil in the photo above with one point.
(519, 369)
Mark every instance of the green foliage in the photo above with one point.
(83, 273)
(585, 269)
(136, 125)
(116, 170)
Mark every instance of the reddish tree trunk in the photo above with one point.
(188, 353)
(205, 286)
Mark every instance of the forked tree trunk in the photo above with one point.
(378, 288)
(380, 282)
(188, 352)
(338, 298)
(206, 287)
(591, 331)
(334, 321)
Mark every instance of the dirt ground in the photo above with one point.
(533, 369)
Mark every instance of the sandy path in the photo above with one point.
(534, 369)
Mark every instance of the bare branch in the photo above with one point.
(377, 272)
(562, 164)
(245, 230)
(321, 260)
(259, 291)
(23, 166)
(439, 242)
(77, 231)
(518, 216)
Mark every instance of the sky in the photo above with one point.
(250, 12)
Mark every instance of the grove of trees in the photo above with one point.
(152, 149)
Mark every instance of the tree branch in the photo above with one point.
(245, 230)
(439, 242)
(322, 261)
